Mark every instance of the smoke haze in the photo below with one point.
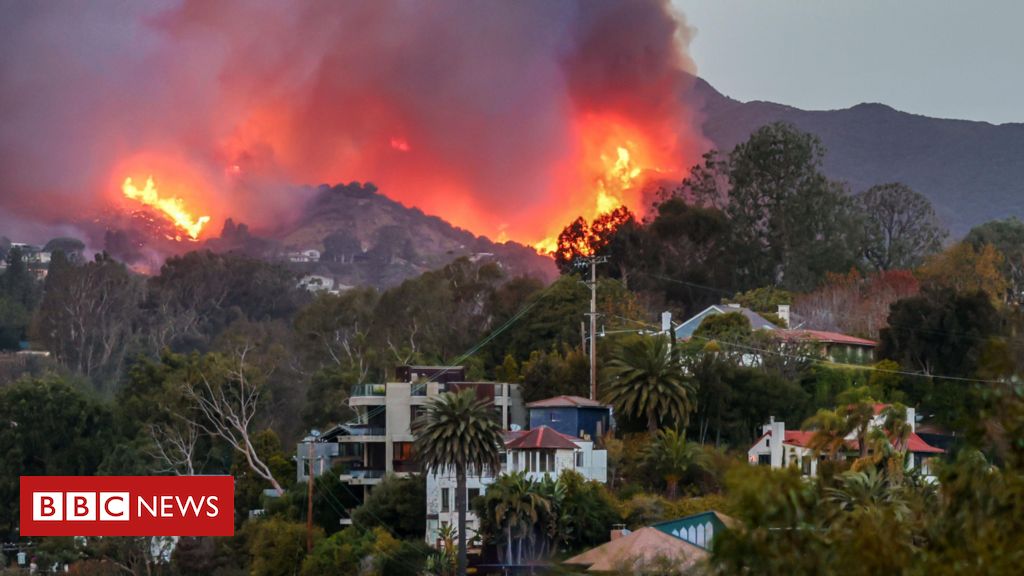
(486, 113)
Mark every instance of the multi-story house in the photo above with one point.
(379, 440)
(537, 452)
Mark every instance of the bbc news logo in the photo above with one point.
(127, 505)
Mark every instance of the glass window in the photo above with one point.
(445, 506)
(474, 493)
(543, 462)
(579, 459)
(515, 461)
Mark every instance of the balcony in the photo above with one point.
(363, 390)
(362, 476)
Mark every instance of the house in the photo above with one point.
(698, 529)
(833, 346)
(308, 255)
(779, 448)
(647, 550)
(537, 452)
(571, 415)
(379, 440)
(326, 453)
(757, 322)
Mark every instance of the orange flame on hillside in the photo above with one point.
(616, 185)
(173, 207)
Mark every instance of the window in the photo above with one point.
(445, 507)
(474, 493)
(579, 459)
(553, 415)
(403, 450)
(543, 462)
(515, 461)
(764, 459)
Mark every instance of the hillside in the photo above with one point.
(368, 239)
(972, 171)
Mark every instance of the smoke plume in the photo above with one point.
(491, 114)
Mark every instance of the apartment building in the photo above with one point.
(379, 440)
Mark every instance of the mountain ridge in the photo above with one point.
(968, 168)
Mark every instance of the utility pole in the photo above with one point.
(309, 498)
(593, 261)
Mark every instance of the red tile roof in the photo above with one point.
(541, 438)
(825, 337)
(800, 438)
(917, 444)
(566, 402)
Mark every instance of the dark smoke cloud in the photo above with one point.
(465, 109)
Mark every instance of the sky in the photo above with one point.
(932, 57)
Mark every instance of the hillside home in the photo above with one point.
(779, 448)
(571, 415)
(685, 330)
(538, 452)
(379, 440)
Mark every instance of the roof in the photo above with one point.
(825, 337)
(645, 546)
(679, 526)
(566, 402)
(800, 438)
(541, 438)
(757, 322)
(917, 444)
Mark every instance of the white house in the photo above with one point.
(779, 448)
(537, 452)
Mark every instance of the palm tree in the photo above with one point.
(458, 431)
(645, 379)
(670, 456)
(830, 430)
(519, 507)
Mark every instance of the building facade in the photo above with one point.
(537, 453)
(780, 448)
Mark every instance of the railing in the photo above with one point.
(365, 474)
(368, 431)
(369, 390)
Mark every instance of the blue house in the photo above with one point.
(571, 415)
(757, 322)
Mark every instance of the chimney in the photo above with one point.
(666, 322)
(784, 314)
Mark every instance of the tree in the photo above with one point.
(1007, 236)
(19, 295)
(790, 224)
(277, 546)
(645, 380)
(671, 457)
(458, 432)
(226, 393)
(855, 303)
(514, 505)
(965, 268)
(397, 505)
(901, 227)
(88, 315)
(48, 427)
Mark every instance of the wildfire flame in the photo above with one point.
(173, 207)
(619, 175)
